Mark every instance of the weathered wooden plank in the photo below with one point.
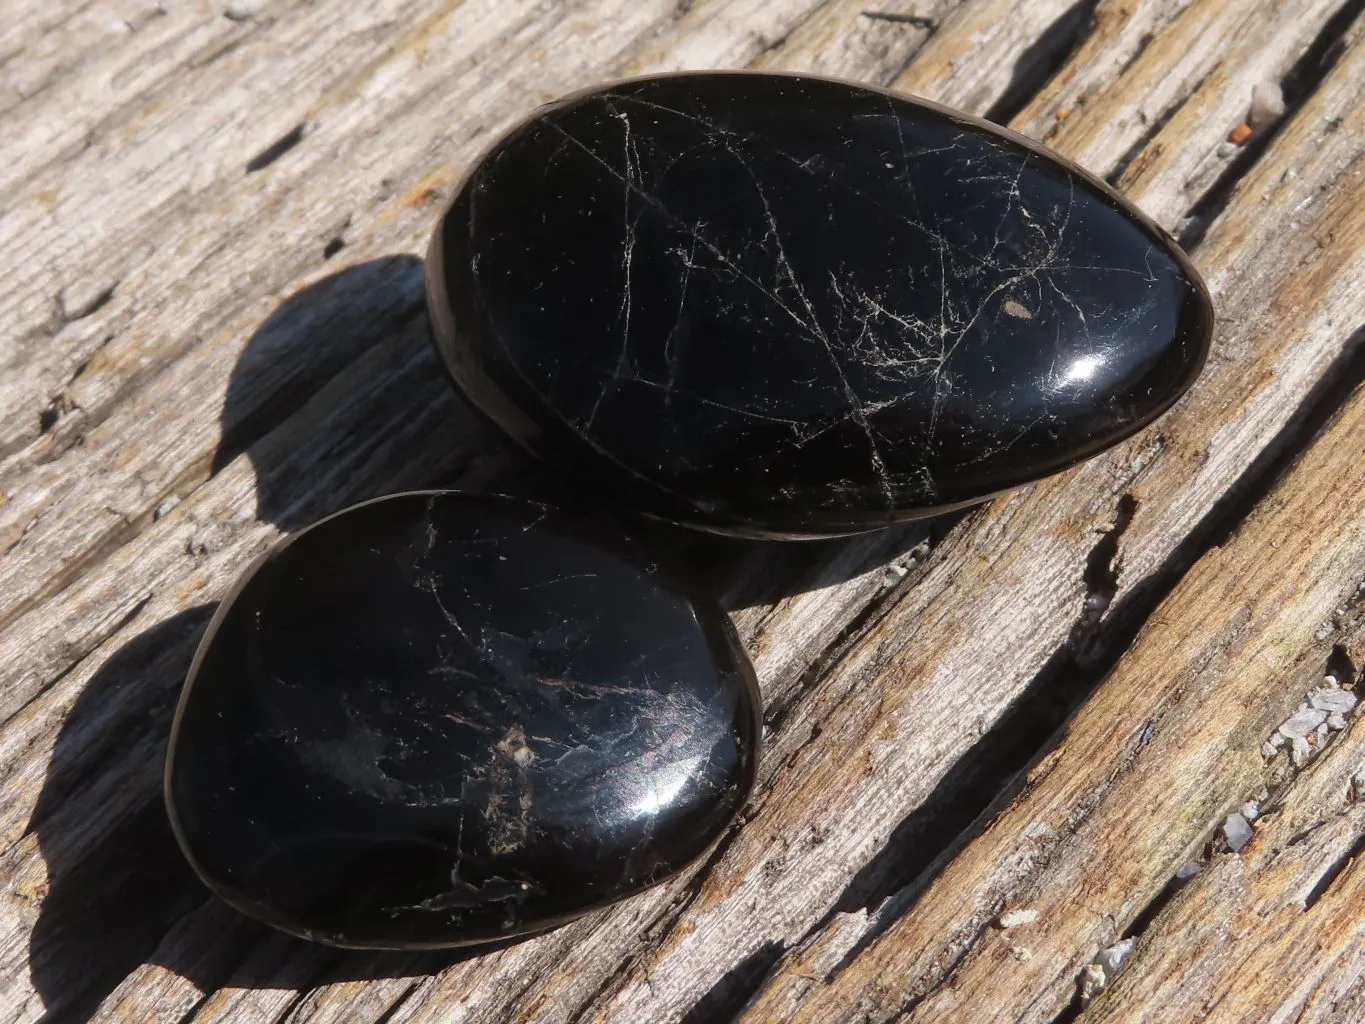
(139, 445)
(71, 84)
(257, 992)
(1025, 854)
(219, 275)
(156, 995)
(594, 950)
(180, 158)
(946, 667)
(142, 120)
(844, 39)
(984, 52)
(1273, 932)
(1118, 35)
(29, 27)
(1169, 744)
(1172, 101)
(117, 586)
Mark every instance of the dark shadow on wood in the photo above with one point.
(313, 335)
(323, 328)
(127, 897)
(1042, 59)
(131, 898)
(726, 998)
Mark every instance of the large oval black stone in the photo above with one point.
(785, 305)
(437, 719)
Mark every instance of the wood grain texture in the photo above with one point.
(1273, 932)
(1032, 849)
(187, 374)
(1006, 593)
(1167, 746)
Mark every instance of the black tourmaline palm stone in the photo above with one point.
(782, 305)
(437, 719)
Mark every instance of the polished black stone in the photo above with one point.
(437, 719)
(784, 305)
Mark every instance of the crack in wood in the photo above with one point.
(276, 149)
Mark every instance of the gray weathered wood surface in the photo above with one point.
(995, 741)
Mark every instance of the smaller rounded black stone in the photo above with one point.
(788, 306)
(438, 719)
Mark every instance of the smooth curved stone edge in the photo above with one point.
(438, 719)
(789, 306)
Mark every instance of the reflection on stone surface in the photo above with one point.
(437, 719)
(787, 306)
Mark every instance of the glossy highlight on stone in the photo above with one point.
(788, 306)
(438, 719)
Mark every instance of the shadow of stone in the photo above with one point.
(1042, 58)
(119, 894)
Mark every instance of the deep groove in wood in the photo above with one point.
(1029, 729)
(1145, 139)
(276, 149)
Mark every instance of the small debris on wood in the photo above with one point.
(1300, 753)
(1358, 784)
(1017, 918)
(1093, 982)
(1332, 700)
(1113, 958)
(1240, 135)
(1187, 871)
(1309, 729)
(165, 507)
(1097, 975)
(1267, 105)
(1237, 832)
(1251, 810)
(1298, 725)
